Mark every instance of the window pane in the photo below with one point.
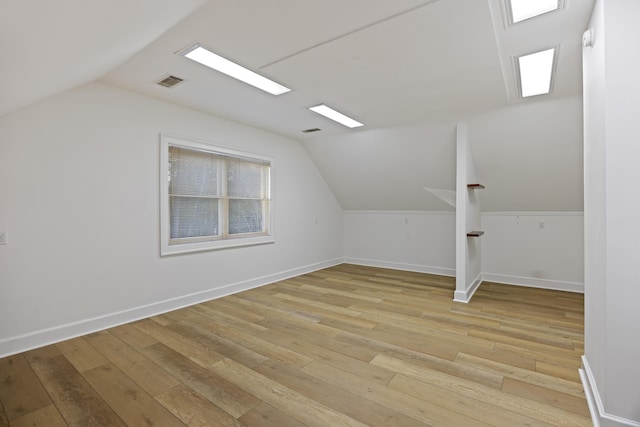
(245, 179)
(193, 217)
(192, 173)
(245, 216)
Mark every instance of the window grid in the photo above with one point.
(242, 195)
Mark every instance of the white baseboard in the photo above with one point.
(439, 271)
(533, 282)
(465, 296)
(599, 416)
(590, 392)
(21, 343)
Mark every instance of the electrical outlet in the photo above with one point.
(3, 237)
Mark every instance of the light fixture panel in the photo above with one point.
(336, 116)
(535, 72)
(526, 9)
(214, 61)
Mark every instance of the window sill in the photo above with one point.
(214, 245)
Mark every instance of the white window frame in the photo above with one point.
(198, 244)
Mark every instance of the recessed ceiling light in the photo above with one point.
(535, 72)
(212, 60)
(335, 116)
(525, 9)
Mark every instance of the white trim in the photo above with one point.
(465, 296)
(596, 407)
(590, 394)
(425, 213)
(534, 282)
(453, 212)
(440, 271)
(21, 343)
(532, 214)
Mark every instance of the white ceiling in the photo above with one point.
(385, 63)
(51, 46)
(408, 69)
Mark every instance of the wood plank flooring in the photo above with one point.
(344, 346)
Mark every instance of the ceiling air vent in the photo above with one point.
(311, 130)
(170, 81)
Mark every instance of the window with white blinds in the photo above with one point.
(213, 197)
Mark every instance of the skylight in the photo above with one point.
(335, 116)
(206, 57)
(535, 72)
(525, 9)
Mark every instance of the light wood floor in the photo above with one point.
(345, 346)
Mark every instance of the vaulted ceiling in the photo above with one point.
(51, 46)
(408, 69)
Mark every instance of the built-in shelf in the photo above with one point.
(475, 233)
(475, 186)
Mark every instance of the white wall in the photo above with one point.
(514, 249)
(530, 155)
(79, 192)
(612, 209)
(595, 196)
(534, 249)
(410, 240)
(523, 248)
(468, 249)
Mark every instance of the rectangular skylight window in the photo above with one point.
(206, 57)
(535, 72)
(335, 116)
(525, 9)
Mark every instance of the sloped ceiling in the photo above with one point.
(51, 46)
(386, 63)
(408, 69)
